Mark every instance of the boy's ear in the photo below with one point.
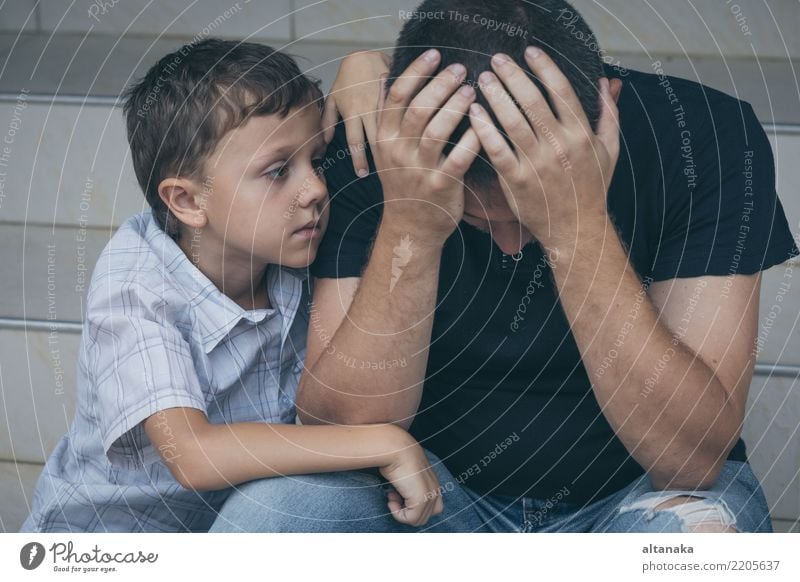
(183, 197)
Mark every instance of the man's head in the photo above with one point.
(226, 140)
(471, 31)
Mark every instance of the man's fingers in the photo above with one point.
(446, 120)
(428, 101)
(511, 118)
(531, 101)
(405, 87)
(608, 125)
(566, 103)
(500, 154)
(462, 155)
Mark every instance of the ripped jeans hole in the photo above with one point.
(692, 512)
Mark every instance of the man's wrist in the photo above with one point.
(589, 237)
(394, 228)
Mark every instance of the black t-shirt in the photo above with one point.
(507, 403)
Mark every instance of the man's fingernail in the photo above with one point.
(475, 109)
(467, 91)
(486, 77)
(533, 52)
(457, 69)
(431, 55)
(362, 173)
(500, 59)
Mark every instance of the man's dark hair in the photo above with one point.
(470, 32)
(177, 114)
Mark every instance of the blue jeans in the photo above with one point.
(355, 501)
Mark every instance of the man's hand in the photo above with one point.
(556, 174)
(423, 190)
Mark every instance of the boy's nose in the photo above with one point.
(314, 189)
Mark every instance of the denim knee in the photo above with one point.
(734, 503)
(327, 502)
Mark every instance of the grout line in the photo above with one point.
(772, 127)
(777, 370)
(48, 99)
(18, 462)
(30, 324)
(65, 225)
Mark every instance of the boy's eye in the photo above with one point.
(277, 172)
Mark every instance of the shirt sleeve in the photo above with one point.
(355, 212)
(138, 364)
(722, 215)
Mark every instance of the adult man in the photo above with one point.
(567, 326)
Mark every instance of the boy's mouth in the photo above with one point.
(309, 230)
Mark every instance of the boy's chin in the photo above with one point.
(299, 262)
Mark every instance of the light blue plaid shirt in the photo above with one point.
(158, 334)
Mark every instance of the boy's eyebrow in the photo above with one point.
(286, 151)
(269, 155)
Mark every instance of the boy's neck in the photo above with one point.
(244, 283)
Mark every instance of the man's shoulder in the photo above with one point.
(656, 87)
(662, 114)
(667, 108)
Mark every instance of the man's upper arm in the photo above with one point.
(717, 318)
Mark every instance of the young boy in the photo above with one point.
(197, 313)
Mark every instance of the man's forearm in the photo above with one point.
(679, 432)
(374, 365)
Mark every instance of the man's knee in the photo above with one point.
(699, 515)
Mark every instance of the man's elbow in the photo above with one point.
(309, 415)
(319, 404)
(701, 476)
(312, 411)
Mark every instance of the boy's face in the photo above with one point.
(264, 187)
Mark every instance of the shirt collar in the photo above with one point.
(218, 314)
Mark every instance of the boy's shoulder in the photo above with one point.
(142, 271)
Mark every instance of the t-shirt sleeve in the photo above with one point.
(354, 214)
(138, 364)
(722, 215)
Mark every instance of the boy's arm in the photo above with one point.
(354, 96)
(206, 456)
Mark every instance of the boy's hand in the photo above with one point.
(417, 495)
(423, 190)
(556, 174)
(354, 96)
